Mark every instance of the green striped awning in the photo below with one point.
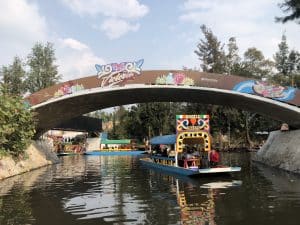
(120, 142)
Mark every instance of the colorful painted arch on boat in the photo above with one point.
(194, 134)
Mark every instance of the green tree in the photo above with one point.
(297, 80)
(292, 8)
(13, 77)
(282, 57)
(43, 72)
(146, 120)
(287, 64)
(255, 65)
(210, 52)
(294, 66)
(232, 57)
(119, 116)
(17, 125)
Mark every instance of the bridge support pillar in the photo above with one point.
(281, 150)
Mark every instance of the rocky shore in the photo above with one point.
(38, 154)
(281, 150)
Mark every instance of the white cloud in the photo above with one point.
(130, 9)
(115, 28)
(251, 22)
(76, 59)
(74, 44)
(196, 4)
(21, 26)
(118, 14)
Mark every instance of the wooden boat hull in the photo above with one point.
(194, 171)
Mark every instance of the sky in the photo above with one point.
(163, 33)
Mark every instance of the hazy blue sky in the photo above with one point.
(163, 32)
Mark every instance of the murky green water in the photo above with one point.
(119, 190)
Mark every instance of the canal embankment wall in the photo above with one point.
(281, 150)
(37, 155)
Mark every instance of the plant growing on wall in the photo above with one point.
(17, 125)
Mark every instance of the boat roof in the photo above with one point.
(104, 140)
(165, 139)
(120, 141)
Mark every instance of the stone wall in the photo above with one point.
(281, 150)
(38, 154)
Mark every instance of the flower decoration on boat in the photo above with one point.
(175, 79)
(266, 90)
(115, 73)
(68, 88)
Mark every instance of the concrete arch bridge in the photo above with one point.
(125, 83)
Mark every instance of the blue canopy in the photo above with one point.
(165, 140)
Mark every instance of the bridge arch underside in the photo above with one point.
(54, 112)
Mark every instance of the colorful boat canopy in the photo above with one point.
(120, 142)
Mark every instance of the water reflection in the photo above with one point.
(197, 203)
(118, 190)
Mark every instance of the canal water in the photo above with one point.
(119, 190)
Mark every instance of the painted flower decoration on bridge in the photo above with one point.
(68, 89)
(175, 79)
(179, 78)
(279, 93)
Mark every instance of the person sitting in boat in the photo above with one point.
(188, 155)
(165, 152)
(171, 154)
(196, 154)
(204, 162)
(214, 158)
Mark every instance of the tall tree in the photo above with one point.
(255, 65)
(43, 72)
(210, 52)
(282, 56)
(232, 57)
(13, 77)
(292, 8)
(287, 64)
(294, 66)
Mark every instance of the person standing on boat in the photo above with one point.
(214, 158)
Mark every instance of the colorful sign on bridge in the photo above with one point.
(115, 73)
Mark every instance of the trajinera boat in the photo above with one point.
(191, 154)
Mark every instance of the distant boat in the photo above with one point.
(117, 144)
